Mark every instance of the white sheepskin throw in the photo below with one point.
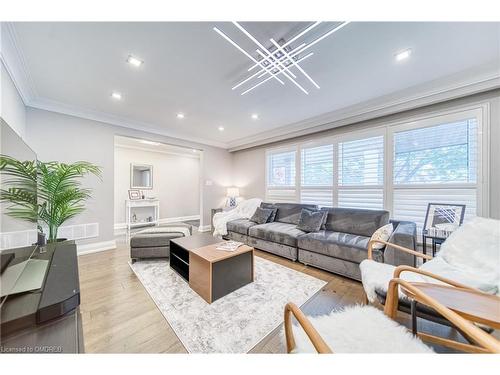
(360, 329)
(474, 248)
(376, 276)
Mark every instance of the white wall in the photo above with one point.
(249, 165)
(176, 181)
(12, 108)
(55, 136)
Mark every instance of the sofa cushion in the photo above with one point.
(338, 245)
(282, 233)
(355, 221)
(261, 215)
(239, 226)
(272, 207)
(290, 212)
(311, 221)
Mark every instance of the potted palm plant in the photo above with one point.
(45, 193)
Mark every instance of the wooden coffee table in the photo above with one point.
(474, 306)
(210, 272)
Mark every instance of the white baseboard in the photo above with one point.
(205, 228)
(95, 247)
(121, 228)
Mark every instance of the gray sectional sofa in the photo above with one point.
(338, 248)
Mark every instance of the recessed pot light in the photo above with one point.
(402, 55)
(195, 150)
(180, 115)
(221, 128)
(255, 116)
(116, 95)
(134, 61)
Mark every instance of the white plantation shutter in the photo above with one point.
(361, 173)
(436, 164)
(316, 175)
(281, 173)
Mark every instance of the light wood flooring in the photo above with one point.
(119, 316)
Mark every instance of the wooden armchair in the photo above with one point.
(482, 342)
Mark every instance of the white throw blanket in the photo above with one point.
(244, 210)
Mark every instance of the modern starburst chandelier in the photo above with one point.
(279, 59)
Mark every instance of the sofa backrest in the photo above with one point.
(288, 212)
(355, 221)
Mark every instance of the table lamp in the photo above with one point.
(232, 194)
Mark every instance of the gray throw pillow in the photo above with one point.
(272, 207)
(261, 215)
(311, 221)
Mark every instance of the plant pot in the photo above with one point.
(41, 239)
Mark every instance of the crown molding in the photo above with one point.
(67, 109)
(145, 149)
(15, 64)
(451, 87)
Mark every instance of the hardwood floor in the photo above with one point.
(119, 316)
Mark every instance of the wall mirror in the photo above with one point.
(141, 176)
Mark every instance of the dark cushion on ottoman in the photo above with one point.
(153, 239)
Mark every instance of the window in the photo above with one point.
(435, 164)
(316, 183)
(361, 173)
(281, 176)
(400, 167)
(438, 154)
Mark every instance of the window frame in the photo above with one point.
(478, 110)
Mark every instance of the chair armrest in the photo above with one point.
(475, 334)
(400, 248)
(400, 269)
(405, 235)
(317, 341)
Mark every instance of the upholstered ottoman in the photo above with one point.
(155, 242)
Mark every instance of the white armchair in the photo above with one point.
(469, 258)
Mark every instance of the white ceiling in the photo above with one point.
(189, 68)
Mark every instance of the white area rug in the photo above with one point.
(234, 323)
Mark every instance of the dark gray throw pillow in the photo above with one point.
(272, 207)
(311, 221)
(261, 215)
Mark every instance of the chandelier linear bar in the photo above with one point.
(244, 52)
(279, 58)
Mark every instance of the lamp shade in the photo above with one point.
(233, 192)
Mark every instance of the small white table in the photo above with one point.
(130, 205)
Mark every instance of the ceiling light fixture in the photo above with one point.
(134, 61)
(180, 115)
(221, 128)
(403, 54)
(279, 58)
(255, 116)
(116, 95)
(195, 150)
(151, 143)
